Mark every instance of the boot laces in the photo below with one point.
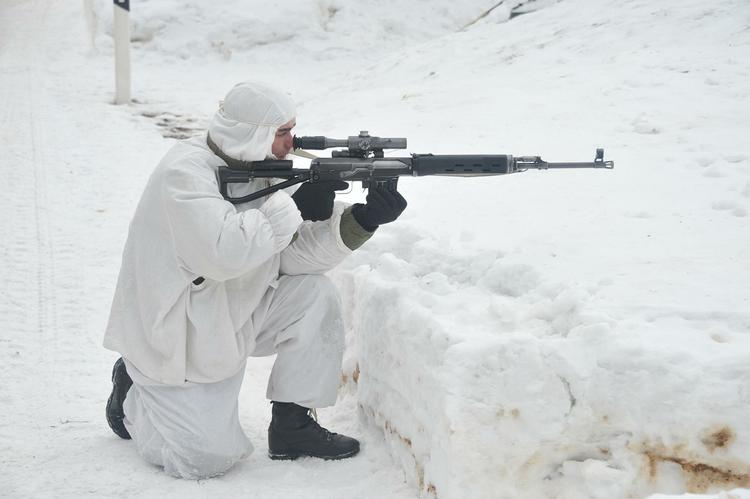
(312, 413)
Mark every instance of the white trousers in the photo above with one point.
(193, 430)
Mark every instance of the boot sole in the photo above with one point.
(292, 457)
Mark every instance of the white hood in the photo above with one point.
(245, 124)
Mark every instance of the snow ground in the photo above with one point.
(609, 310)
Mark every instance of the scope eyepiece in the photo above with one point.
(316, 143)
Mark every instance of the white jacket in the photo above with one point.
(173, 330)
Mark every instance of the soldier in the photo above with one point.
(205, 284)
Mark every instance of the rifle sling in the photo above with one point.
(231, 162)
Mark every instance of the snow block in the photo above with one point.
(483, 390)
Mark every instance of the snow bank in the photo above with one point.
(301, 29)
(490, 381)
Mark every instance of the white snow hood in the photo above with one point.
(246, 122)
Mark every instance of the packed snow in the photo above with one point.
(565, 334)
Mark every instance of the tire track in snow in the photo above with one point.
(57, 201)
(29, 335)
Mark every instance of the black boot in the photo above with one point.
(120, 385)
(294, 433)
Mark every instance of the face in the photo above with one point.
(282, 143)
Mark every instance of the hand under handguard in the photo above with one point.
(383, 206)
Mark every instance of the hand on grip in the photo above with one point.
(315, 199)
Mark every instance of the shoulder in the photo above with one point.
(189, 158)
(192, 151)
(186, 171)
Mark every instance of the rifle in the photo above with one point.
(363, 160)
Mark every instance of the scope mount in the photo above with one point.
(362, 146)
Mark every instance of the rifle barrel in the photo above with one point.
(523, 163)
(593, 164)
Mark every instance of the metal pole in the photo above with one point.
(122, 51)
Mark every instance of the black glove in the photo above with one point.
(383, 206)
(315, 200)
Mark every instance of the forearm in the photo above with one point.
(319, 246)
(351, 231)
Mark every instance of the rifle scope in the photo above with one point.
(362, 142)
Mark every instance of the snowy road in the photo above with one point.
(31, 258)
(71, 182)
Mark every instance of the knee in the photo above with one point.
(325, 298)
(195, 461)
(323, 311)
(314, 292)
(319, 286)
(198, 466)
(194, 453)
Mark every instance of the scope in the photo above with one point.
(363, 142)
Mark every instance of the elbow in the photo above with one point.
(240, 244)
(295, 268)
(223, 264)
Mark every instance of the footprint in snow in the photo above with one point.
(638, 214)
(736, 209)
(704, 161)
(735, 158)
(714, 172)
(723, 205)
(643, 127)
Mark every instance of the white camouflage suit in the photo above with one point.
(185, 345)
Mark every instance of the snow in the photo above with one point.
(547, 334)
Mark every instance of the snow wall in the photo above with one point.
(520, 390)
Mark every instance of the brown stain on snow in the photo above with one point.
(718, 439)
(700, 476)
(701, 472)
(431, 490)
(390, 428)
(355, 376)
